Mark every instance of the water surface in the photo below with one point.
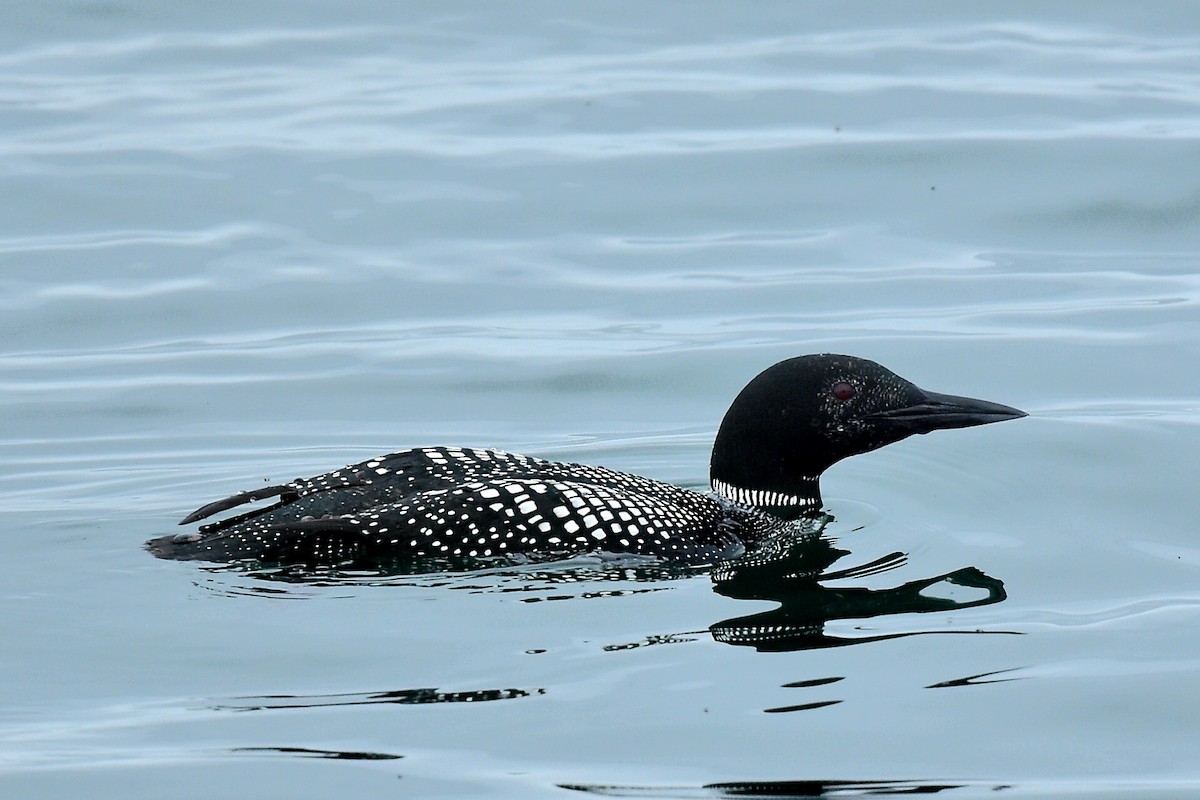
(243, 243)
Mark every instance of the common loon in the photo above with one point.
(782, 431)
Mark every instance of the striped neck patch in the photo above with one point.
(761, 497)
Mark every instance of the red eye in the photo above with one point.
(843, 391)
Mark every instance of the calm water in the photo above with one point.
(248, 242)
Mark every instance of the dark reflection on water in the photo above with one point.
(780, 789)
(465, 575)
(307, 752)
(793, 567)
(802, 706)
(977, 680)
(528, 584)
(406, 697)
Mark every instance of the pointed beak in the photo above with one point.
(938, 411)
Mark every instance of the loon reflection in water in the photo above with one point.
(791, 570)
(470, 508)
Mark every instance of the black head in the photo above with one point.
(802, 415)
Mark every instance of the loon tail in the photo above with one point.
(281, 491)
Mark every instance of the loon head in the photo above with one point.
(802, 415)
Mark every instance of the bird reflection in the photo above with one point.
(792, 568)
(797, 790)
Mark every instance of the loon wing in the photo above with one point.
(394, 474)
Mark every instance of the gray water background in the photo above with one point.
(243, 242)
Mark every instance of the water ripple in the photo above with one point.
(388, 90)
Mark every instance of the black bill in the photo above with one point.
(939, 411)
